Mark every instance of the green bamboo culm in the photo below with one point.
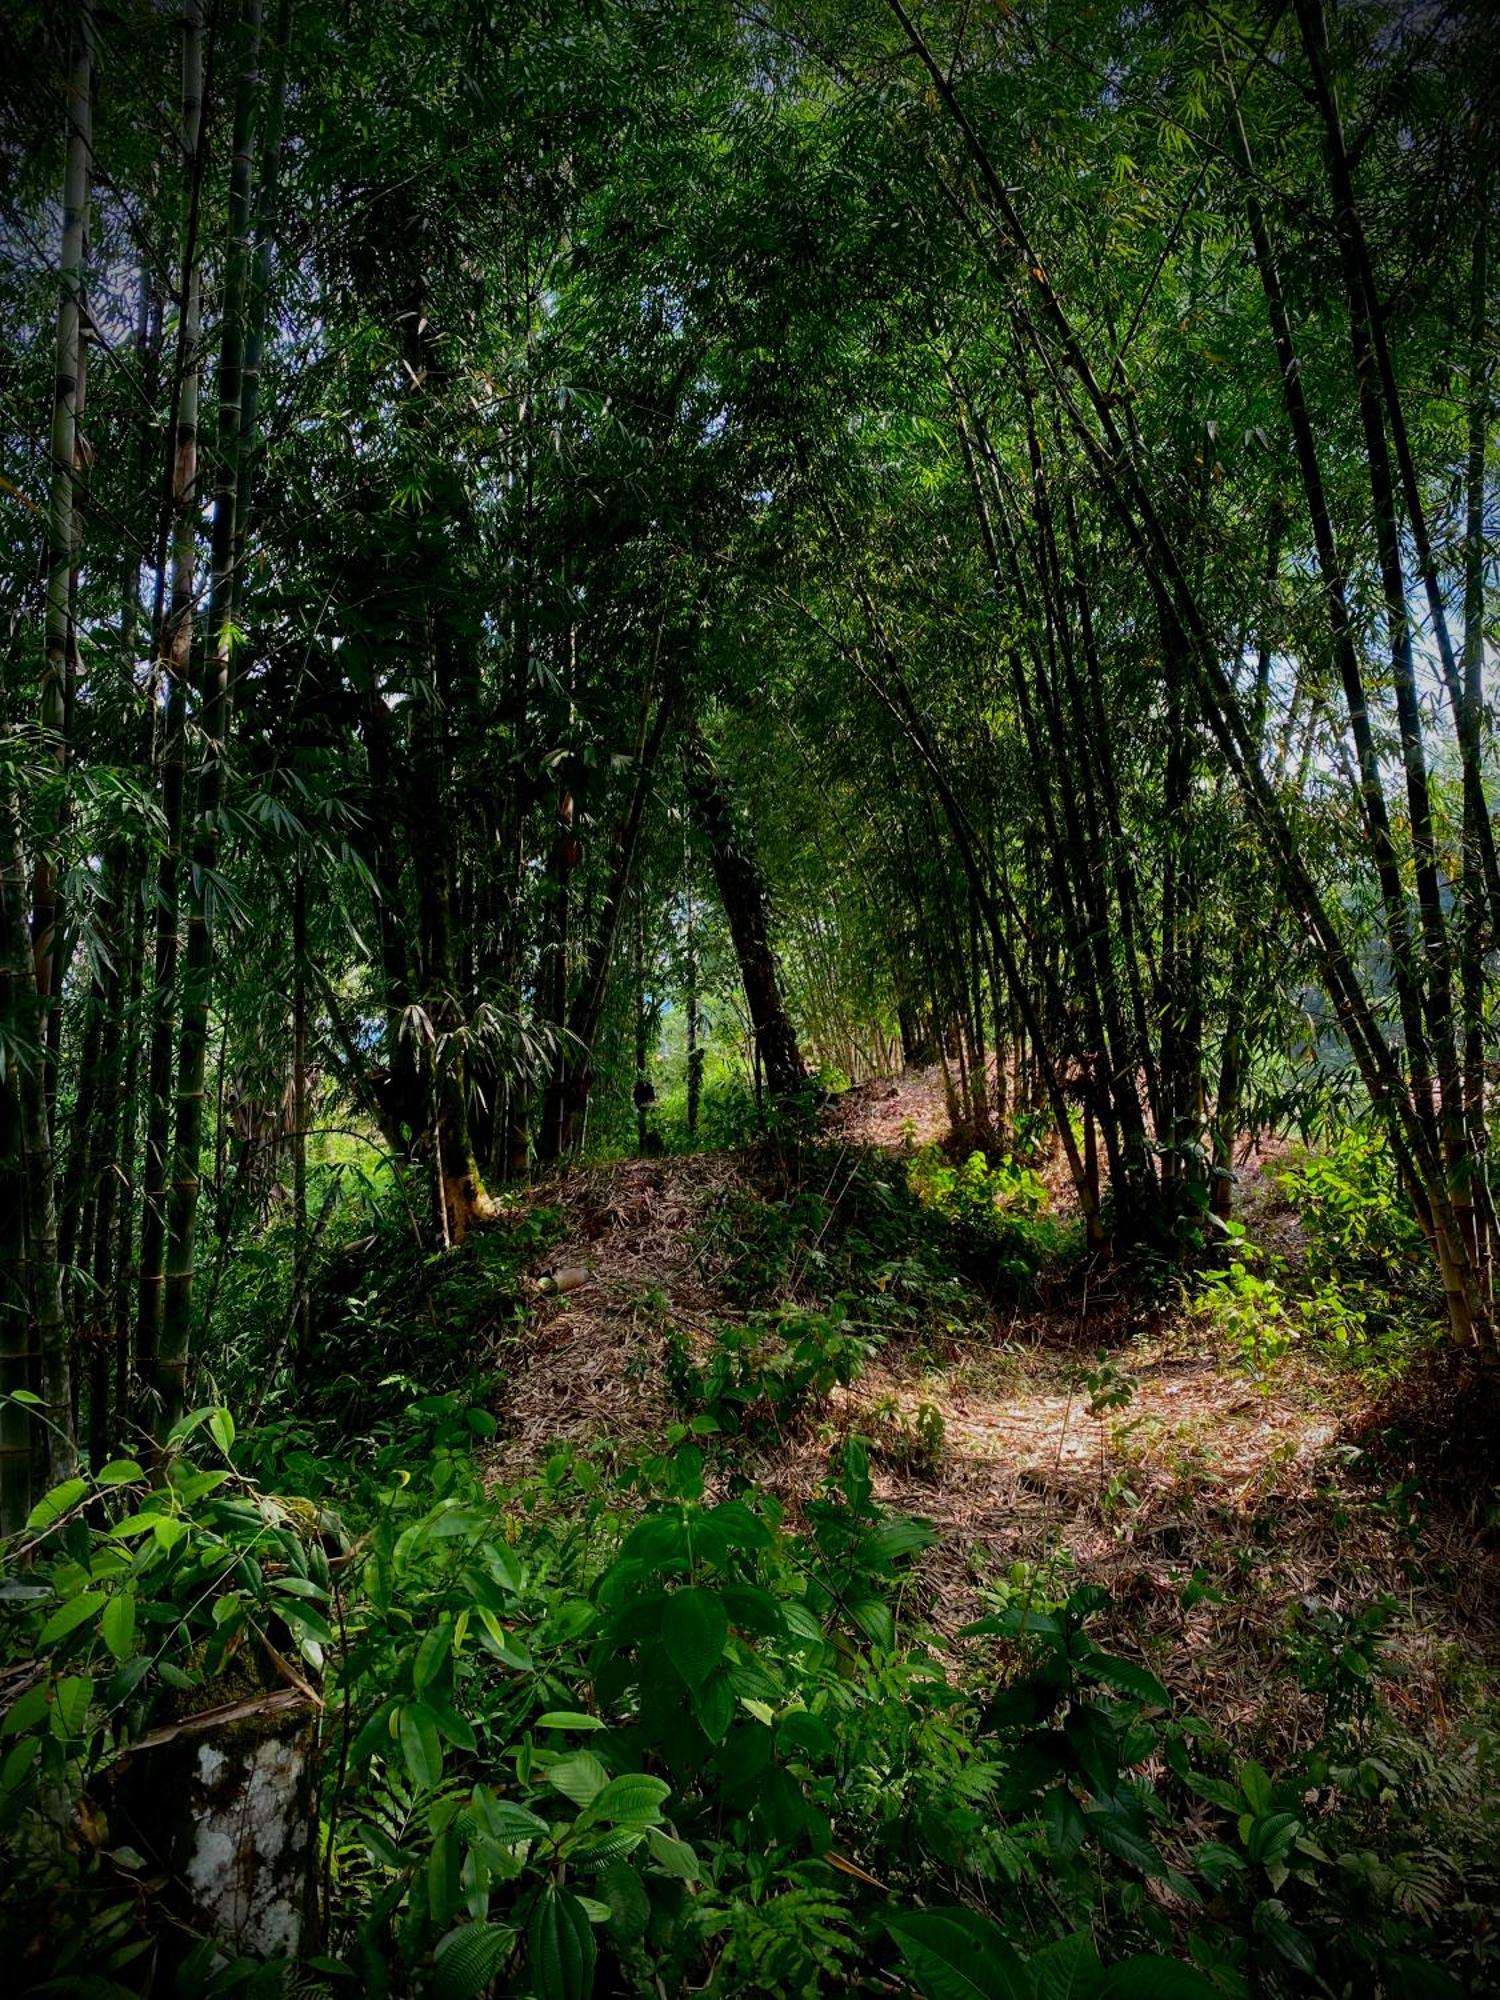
(36, 1324)
(213, 718)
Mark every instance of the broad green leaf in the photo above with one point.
(1127, 1677)
(27, 1710)
(694, 1628)
(579, 1777)
(674, 1857)
(567, 1718)
(1115, 1834)
(1066, 1970)
(714, 1705)
(467, 1960)
(432, 1655)
(54, 1504)
(421, 1749)
(633, 1800)
(68, 1617)
(1256, 1786)
(118, 1624)
(958, 1955)
(560, 1947)
(1064, 1822)
(629, 1905)
(119, 1472)
(19, 1759)
(1153, 1978)
(72, 1696)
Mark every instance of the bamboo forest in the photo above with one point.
(749, 994)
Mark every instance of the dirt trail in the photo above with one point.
(1207, 1504)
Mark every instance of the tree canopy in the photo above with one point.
(581, 575)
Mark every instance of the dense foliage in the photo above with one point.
(578, 578)
(626, 1718)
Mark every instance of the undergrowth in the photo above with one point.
(626, 1725)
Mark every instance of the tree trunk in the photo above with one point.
(694, 1016)
(568, 1090)
(743, 894)
(302, 1320)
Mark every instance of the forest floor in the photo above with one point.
(1241, 1526)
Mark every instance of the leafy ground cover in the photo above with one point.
(742, 1586)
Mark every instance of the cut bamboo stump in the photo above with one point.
(224, 1803)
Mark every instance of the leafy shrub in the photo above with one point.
(828, 1223)
(1367, 1275)
(589, 1733)
(1246, 1307)
(996, 1217)
(764, 1374)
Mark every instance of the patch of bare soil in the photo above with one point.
(1215, 1510)
(897, 1114)
(629, 1265)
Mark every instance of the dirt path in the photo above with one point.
(1208, 1505)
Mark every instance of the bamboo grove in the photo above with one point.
(952, 532)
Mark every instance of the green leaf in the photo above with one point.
(118, 1624)
(714, 1706)
(579, 1777)
(119, 1472)
(694, 1628)
(674, 1857)
(186, 1425)
(1416, 1980)
(629, 1905)
(560, 1947)
(1095, 1743)
(53, 1505)
(421, 1749)
(1272, 1836)
(221, 1430)
(382, 1848)
(1116, 1834)
(1216, 1862)
(68, 1617)
(509, 1822)
(567, 1718)
(73, 1694)
(19, 1759)
(442, 1876)
(958, 1955)
(432, 1655)
(1256, 1786)
(1270, 1922)
(1127, 1677)
(27, 1710)
(467, 1960)
(454, 1728)
(902, 1535)
(1011, 1623)
(1066, 1970)
(1064, 1822)
(633, 1800)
